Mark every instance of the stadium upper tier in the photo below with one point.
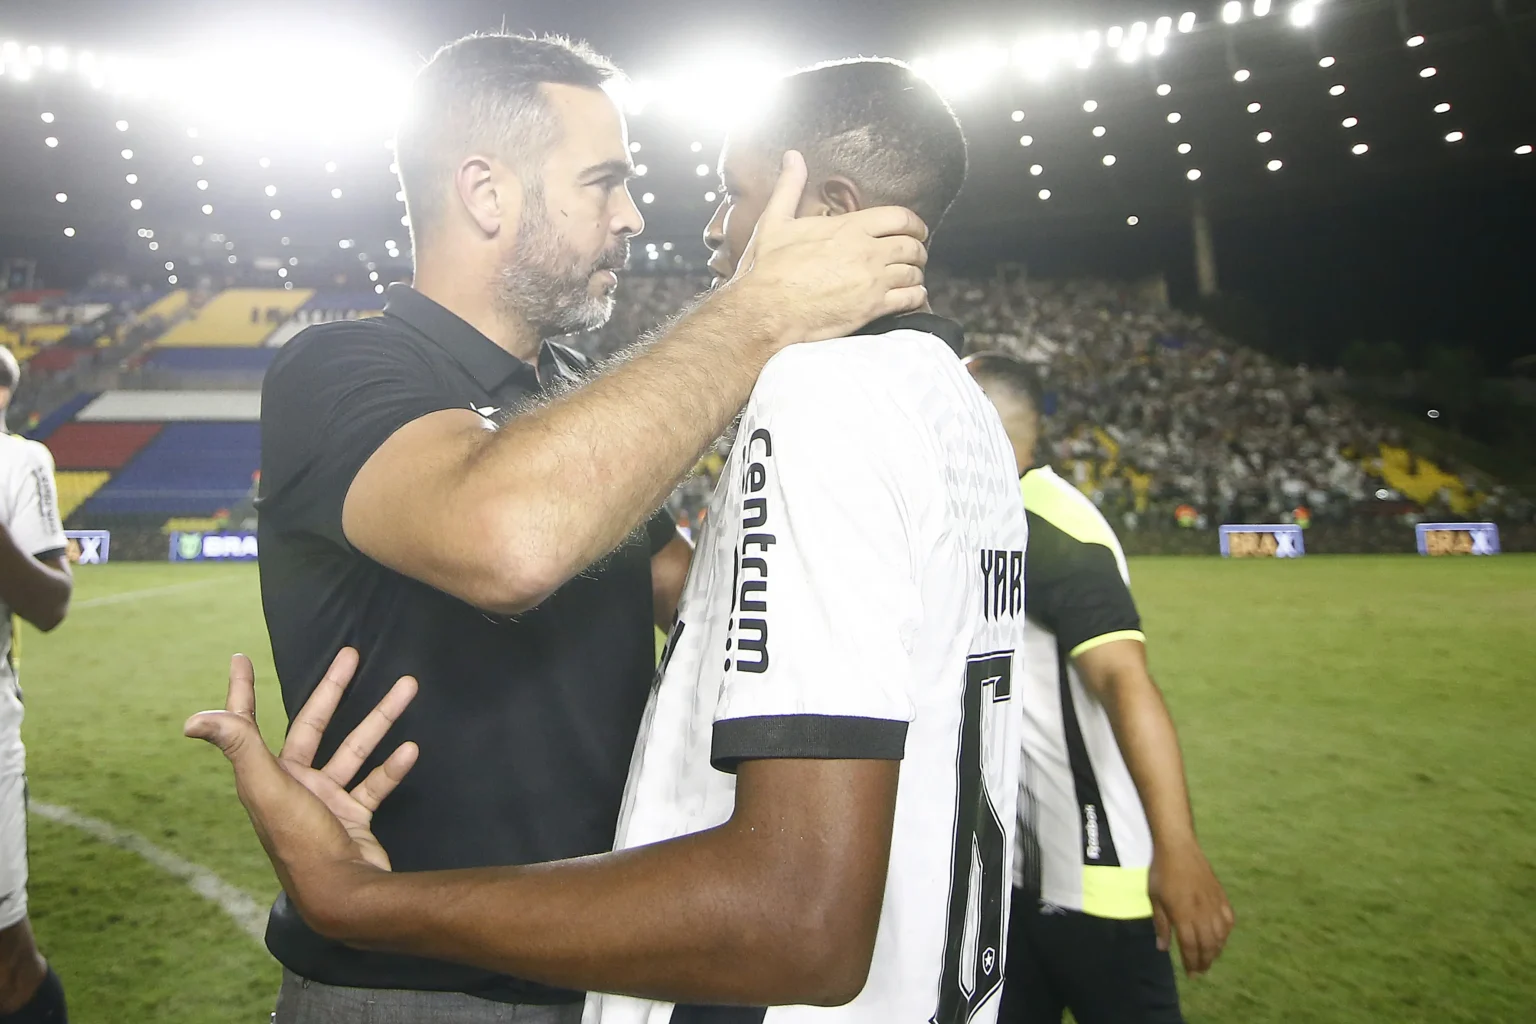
(236, 317)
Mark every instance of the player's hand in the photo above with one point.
(1188, 900)
(316, 830)
(825, 277)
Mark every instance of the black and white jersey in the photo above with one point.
(29, 507)
(858, 592)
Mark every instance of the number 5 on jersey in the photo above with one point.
(973, 948)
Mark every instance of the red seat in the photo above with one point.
(99, 445)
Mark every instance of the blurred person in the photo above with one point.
(437, 491)
(35, 583)
(841, 616)
(1107, 868)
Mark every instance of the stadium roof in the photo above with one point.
(260, 146)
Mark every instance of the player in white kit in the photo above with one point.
(820, 807)
(34, 584)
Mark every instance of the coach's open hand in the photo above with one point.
(826, 277)
(1188, 901)
(315, 830)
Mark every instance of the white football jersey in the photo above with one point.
(29, 507)
(857, 592)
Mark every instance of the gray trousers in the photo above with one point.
(302, 1001)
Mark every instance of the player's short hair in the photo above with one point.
(10, 369)
(482, 93)
(1010, 375)
(877, 122)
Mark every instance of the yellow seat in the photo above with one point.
(76, 487)
(227, 320)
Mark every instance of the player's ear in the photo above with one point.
(840, 195)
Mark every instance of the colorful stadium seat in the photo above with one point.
(236, 317)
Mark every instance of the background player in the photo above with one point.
(840, 616)
(1099, 892)
(35, 584)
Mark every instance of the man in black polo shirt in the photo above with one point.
(432, 487)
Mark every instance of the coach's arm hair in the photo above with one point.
(36, 589)
(779, 905)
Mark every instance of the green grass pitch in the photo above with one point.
(1361, 734)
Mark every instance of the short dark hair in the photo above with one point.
(876, 121)
(1010, 374)
(482, 91)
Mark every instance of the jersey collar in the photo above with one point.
(488, 363)
(951, 333)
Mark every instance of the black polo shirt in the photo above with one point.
(526, 725)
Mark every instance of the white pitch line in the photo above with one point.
(134, 595)
(238, 904)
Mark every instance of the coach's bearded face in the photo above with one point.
(551, 282)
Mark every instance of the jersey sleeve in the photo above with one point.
(1073, 587)
(35, 524)
(325, 409)
(825, 599)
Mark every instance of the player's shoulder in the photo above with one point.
(1050, 499)
(858, 374)
(20, 452)
(347, 348)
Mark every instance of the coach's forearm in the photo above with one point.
(690, 920)
(36, 591)
(571, 479)
(1145, 733)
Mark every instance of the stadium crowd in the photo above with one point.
(1158, 417)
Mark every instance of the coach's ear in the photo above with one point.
(838, 195)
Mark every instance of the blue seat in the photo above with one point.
(191, 469)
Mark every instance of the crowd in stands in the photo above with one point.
(1159, 418)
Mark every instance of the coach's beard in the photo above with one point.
(552, 290)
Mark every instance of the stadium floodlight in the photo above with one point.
(400, 196)
(264, 162)
(389, 243)
(1026, 140)
(1275, 165)
(702, 170)
(330, 167)
(1045, 194)
(1090, 106)
(293, 261)
(378, 289)
(1114, 37)
(1109, 160)
(1327, 62)
(1138, 34)
(1232, 12)
(58, 59)
(1415, 41)
(69, 232)
(233, 259)
(137, 204)
(653, 255)
(171, 279)
(1133, 220)
(345, 243)
(47, 117)
(270, 190)
(1174, 117)
(122, 126)
(1524, 150)
(191, 133)
(169, 265)
(1098, 131)
(1242, 75)
(1254, 108)
(1163, 26)
(197, 160)
(207, 208)
(1442, 108)
(282, 271)
(1017, 115)
(132, 179)
(127, 154)
(634, 147)
(155, 246)
(1455, 136)
(1157, 46)
(335, 193)
(1184, 148)
(1193, 174)
(710, 197)
(1261, 8)
(1036, 170)
(641, 170)
(373, 275)
(1265, 136)
(1350, 122)
(666, 246)
(649, 197)
(51, 142)
(1164, 89)
(695, 147)
(1360, 149)
(1428, 73)
(60, 197)
(1303, 13)
(202, 184)
(394, 168)
(10, 51)
(1337, 90)
(1187, 22)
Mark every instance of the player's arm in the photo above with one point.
(35, 580)
(502, 518)
(669, 571)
